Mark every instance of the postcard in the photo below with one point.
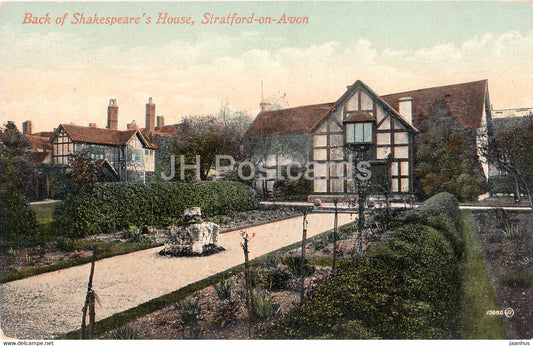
(259, 170)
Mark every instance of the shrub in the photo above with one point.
(294, 265)
(189, 310)
(223, 289)
(293, 190)
(65, 244)
(124, 333)
(17, 221)
(441, 212)
(264, 307)
(520, 278)
(404, 287)
(276, 279)
(113, 207)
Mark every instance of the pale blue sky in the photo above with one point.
(53, 74)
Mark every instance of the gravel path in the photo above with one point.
(48, 305)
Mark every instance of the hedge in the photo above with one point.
(114, 207)
(442, 212)
(405, 287)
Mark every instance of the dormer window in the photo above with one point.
(359, 128)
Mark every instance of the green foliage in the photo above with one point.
(65, 244)
(276, 279)
(189, 309)
(293, 190)
(522, 278)
(124, 333)
(511, 231)
(82, 174)
(446, 158)
(223, 289)
(442, 212)
(294, 263)
(405, 287)
(264, 307)
(113, 207)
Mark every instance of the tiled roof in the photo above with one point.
(465, 102)
(289, 121)
(39, 143)
(102, 136)
(40, 156)
(167, 130)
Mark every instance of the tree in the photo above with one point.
(446, 157)
(82, 174)
(208, 136)
(508, 148)
(17, 220)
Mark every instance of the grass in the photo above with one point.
(122, 318)
(478, 295)
(44, 212)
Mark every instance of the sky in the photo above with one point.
(53, 73)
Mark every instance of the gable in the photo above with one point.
(360, 103)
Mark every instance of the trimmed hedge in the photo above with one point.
(405, 287)
(114, 207)
(442, 212)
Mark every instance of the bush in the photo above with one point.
(18, 223)
(264, 307)
(276, 279)
(114, 207)
(294, 265)
(521, 278)
(293, 190)
(223, 290)
(189, 310)
(441, 212)
(405, 287)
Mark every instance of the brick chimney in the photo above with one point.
(132, 125)
(406, 108)
(93, 125)
(112, 115)
(150, 116)
(160, 121)
(27, 127)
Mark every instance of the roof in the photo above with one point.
(39, 157)
(465, 102)
(103, 136)
(167, 130)
(39, 143)
(288, 121)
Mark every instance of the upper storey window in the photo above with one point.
(359, 129)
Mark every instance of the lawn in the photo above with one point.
(478, 295)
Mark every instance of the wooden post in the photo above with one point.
(89, 304)
(302, 261)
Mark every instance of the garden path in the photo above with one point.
(49, 305)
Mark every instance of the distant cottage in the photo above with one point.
(385, 125)
(130, 155)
